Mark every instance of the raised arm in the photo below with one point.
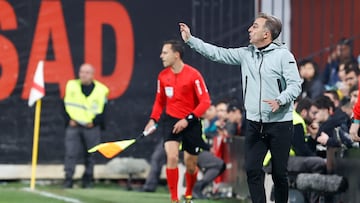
(231, 56)
(185, 32)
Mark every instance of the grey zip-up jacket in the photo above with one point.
(271, 73)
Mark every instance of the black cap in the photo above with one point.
(232, 107)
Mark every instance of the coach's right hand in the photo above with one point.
(185, 32)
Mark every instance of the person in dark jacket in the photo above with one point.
(312, 86)
(331, 124)
(343, 52)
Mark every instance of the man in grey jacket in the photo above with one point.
(271, 83)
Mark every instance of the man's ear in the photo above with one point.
(303, 113)
(177, 54)
(266, 35)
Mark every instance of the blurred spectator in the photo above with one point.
(312, 85)
(343, 52)
(221, 114)
(157, 161)
(331, 124)
(333, 96)
(346, 106)
(219, 143)
(340, 86)
(304, 159)
(209, 122)
(354, 93)
(352, 73)
(234, 122)
(212, 167)
(300, 141)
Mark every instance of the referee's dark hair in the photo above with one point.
(176, 46)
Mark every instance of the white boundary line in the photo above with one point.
(54, 196)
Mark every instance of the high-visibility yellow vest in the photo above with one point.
(297, 119)
(81, 108)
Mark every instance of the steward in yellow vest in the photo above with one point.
(84, 108)
(85, 100)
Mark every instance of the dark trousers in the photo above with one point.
(211, 166)
(77, 141)
(261, 137)
(158, 159)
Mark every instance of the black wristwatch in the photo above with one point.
(190, 118)
(278, 102)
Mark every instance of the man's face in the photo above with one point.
(351, 79)
(234, 116)
(210, 113)
(168, 56)
(344, 51)
(221, 111)
(341, 72)
(312, 112)
(305, 114)
(332, 98)
(353, 97)
(86, 74)
(257, 31)
(319, 115)
(307, 71)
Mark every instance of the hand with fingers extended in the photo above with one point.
(274, 104)
(185, 32)
(180, 126)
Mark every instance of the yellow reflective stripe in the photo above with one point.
(268, 157)
(75, 105)
(292, 152)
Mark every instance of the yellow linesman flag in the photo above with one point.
(111, 149)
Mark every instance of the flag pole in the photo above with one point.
(35, 143)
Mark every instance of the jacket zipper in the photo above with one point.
(262, 58)
(246, 80)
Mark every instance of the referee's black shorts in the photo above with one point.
(190, 138)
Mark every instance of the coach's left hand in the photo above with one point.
(273, 104)
(180, 125)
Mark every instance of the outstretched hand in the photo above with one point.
(185, 32)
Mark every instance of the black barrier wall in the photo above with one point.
(123, 40)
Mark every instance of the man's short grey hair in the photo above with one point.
(273, 24)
